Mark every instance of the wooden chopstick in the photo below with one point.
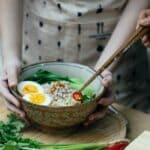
(133, 38)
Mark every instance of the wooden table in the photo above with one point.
(137, 123)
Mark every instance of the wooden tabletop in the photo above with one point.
(137, 123)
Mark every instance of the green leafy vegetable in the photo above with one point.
(43, 76)
(87, 98)
(11, 139)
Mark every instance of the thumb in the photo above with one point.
(107, 79)
(12, 74)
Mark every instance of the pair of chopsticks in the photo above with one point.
(132, 39)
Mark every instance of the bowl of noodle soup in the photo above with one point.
(59, 110)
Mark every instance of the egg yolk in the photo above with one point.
(29, 89)
(37, 98)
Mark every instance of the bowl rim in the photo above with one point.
(13, 90)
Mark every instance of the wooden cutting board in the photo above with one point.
(112, 127)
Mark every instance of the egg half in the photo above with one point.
(38, 98)
(26, 87)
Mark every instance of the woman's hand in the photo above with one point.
(106, 100)
(9, 79)
(144, 20)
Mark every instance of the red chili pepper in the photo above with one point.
(77, 96)
(118, 146)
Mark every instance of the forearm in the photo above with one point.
(11, 28)
(124, 28)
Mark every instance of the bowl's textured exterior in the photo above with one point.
(60, 117)
(57, 117)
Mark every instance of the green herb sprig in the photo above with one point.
(11, 139)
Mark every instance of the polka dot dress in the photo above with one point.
(60, 30)
(131, 79)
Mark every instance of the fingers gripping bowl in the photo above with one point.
(58, 115)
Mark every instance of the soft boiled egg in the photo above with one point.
(38, 98)
(26, 87)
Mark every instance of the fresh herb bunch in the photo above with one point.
(11, 136)
(11, 139)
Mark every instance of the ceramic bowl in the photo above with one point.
(60, 117)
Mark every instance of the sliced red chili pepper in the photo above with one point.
(77, 96)
(118, 146)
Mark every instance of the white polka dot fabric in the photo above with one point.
(60, 29)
